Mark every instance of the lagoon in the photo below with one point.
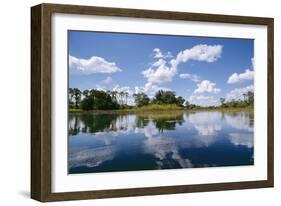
(111, 142)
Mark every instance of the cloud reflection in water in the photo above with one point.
(181, 140)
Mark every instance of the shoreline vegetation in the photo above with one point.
(98, 101)
(167, 109)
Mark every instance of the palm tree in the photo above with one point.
(126, 97)
(86, 93)
(113, 95)
(245, 97)
(222, 100)
(77, 96)
(121, 94)
(70, 94)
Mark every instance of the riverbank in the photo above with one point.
(165, 108)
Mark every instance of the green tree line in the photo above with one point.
(111, 100)
(247, 101)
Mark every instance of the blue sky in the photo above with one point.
(200, 69)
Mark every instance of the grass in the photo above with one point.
(159, 107)
(224, 109)
(75, 110)
(164, 108)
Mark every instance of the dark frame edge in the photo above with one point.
(36, 139)
(270, 101)
(157, 14)
(41, 102)
(164, 190)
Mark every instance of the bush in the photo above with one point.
(156, 107)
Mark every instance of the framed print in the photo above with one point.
(130, 102)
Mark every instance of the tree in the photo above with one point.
(87, 103)
(77, 96)
(121, 95)
(97, 99)
(70, 97)
(113, 95)
(250, 97)
(86, 93)
(165, 97)
(187, 104)
(141, 99)
(126, 94)
(180, 101)
(222, 100)
(245, 97)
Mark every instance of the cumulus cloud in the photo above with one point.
(242, 77)
(91, 157)
(184, 76)
(206, 86)
(239, 121)
(192, 77)
(92, 65)
(159, 63)
(203, 100)
(243, 139)
(161, 71)
(105, 84)
(201, 52)
(237, 93)
(158, 54)
(127, 89)
(150, 88)
(107, 80)
(165, 149)
(129, 99)
(207, 125)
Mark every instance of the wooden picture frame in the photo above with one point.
(41, 118)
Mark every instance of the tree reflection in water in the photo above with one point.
(92, 123)
(125, 141)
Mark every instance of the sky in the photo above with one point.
(200, 69)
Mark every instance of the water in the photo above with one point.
(129, 142)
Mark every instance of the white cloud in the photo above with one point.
(239, 121)
(150, 89)
(159, 54)
(242, 77)
(203, 100)
(159, 63)
(237, 93)
(128, 99)
(122, 89)
(207, 124)
(91, 157)
(163, 148)
(201, 52)
(107, 80)
(206, 86)
(159, 73)
(193, 77)
(184, 76)
(92, 65)
(105, 84)
(243, 139)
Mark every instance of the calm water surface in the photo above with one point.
(126, 142)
